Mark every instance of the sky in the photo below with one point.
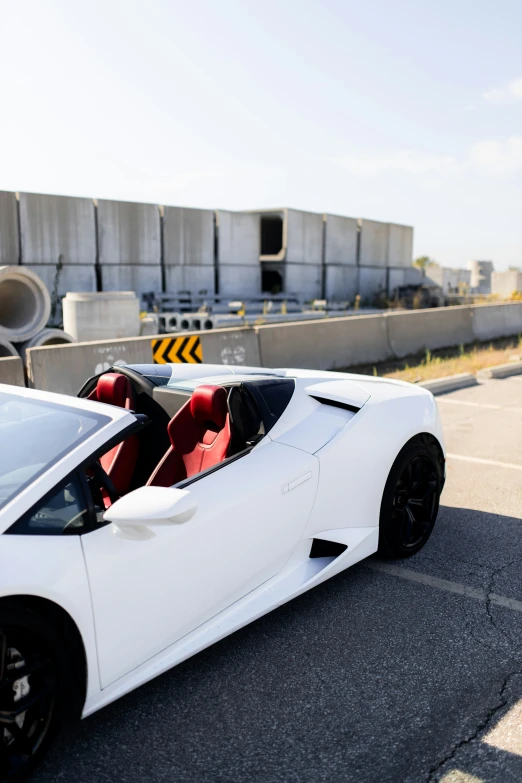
(407, 111)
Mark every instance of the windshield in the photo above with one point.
(34, 435)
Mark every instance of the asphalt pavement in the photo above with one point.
(400, 671)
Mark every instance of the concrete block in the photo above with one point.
(128, 233)
(304, 280)
(51, 226)
(101, 316)
(291, 235)
(504, 284)
(396, 279)
(140, 279)
(12, 371)
(304, 237)
(238, 239)
(239, 282)
(373, 250)
(65, 368)
(400, 245)
(9, 247)
(341, 283)
(340, 240)
(329, 344)
(500, 371)
(414, 331)
(450, 383)
(189, 278)
(188, 237)
(372, 281)
(497, 320)
(450, 280)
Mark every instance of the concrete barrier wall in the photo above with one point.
(415, 330)
(65, 368)
(324, 345)
(51, 226)
(497, 320)
(12, 371)
(9, 247)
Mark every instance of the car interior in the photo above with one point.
(212, 424)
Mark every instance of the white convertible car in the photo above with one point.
(168, 505)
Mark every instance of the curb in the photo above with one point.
(450, 383)
(500, 371)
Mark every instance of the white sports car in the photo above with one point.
(168, 505)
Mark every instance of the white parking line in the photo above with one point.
(443, 584)
(481, 461)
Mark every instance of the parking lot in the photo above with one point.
(400, 671)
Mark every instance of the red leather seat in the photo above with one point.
(119, 463)
(199, 434)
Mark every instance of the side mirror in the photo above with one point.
(152, 506)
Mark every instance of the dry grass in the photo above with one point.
(447, 361)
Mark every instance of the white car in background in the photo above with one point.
(169, 505)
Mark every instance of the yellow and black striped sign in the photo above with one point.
(177, 350)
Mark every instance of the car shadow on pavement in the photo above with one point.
(369, 677)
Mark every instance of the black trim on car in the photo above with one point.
(336, 403)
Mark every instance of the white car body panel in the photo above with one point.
(53, 567)
(146, 598)
(177, 577)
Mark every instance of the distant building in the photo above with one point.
(452, 281)
(481, 272)
(504, 284)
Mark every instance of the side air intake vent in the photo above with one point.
(322, 548)
(336, 404)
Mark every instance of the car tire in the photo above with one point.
(35, 673)
(410, 500)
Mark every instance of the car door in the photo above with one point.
(153, 586)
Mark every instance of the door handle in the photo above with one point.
(296, 482)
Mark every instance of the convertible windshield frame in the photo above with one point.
(93, 420)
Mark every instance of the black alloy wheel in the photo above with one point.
(410, 501)
(36, 688)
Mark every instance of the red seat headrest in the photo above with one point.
(208, 405)
(114, 389)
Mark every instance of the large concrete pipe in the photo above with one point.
(25, 304)
(46, 337)
(7, 349)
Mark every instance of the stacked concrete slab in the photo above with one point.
(385, 257)
(59, 226)
(129, 246)
(237, 257)
(9, 245)
(292, 243)
(188, 250)
(341, 275)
